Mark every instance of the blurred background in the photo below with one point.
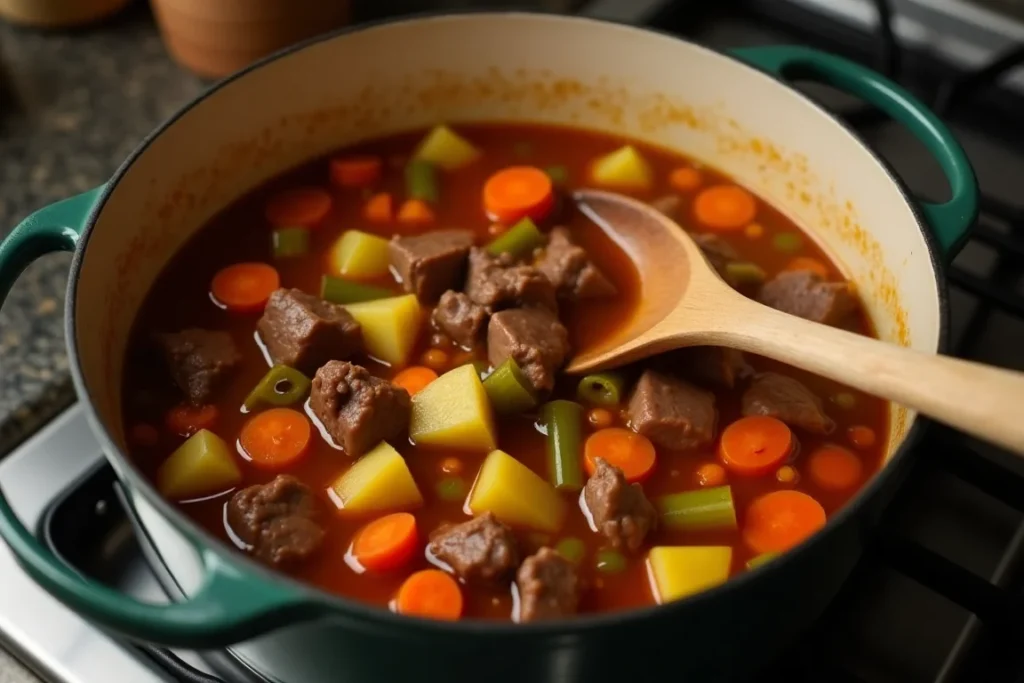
(81, 83)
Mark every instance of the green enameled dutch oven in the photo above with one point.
(733, 111)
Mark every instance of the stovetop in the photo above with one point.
(936, 597)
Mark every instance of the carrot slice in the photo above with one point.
(779, 520)
(631, 452)
(685, 179)
(600, 418)
(379, 208)
(356, 171)
(415, 212)
(711, 474)
(430, 593)
(386, 543)
(725, 207)
(756, 445)
(186, 420)
(244, 287)
(302, 207)
(862, 436)
(808, 263)
(834, 468)
(414, 379)
(518, 192)
(451, 465)
(275, 439)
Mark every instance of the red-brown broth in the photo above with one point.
(180, 298)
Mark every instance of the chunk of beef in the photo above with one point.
(482, 549)
(620, 510)
(571, 270)
(199, 361)
(276, 520)
(357, 409)
(785, 398)
(499, 282)
(672, 413)
(806, 294)
(431, 263)
(534, 337)
(713, 365)
(668, 205)
(304, 331)
(548, 587)
(718, 252)
(458, 317)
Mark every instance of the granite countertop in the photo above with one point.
(72, 106)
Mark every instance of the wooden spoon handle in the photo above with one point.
(978, 399)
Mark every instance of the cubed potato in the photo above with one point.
(390, 327)
(623, 168)
(678, 571)
(379, 481)
(201, 466)
(359, 255)
(516, 495)
(453, 411)
(446, 149)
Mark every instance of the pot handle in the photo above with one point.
(229, 607)
(949, 221)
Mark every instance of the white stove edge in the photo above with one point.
(46, 636)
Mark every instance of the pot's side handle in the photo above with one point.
(230, 606)
(950, 221)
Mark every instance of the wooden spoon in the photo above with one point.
(684, 302)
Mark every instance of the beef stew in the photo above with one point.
(353, 374)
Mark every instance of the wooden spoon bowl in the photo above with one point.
(684, 302)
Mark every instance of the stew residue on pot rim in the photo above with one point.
(353, 374)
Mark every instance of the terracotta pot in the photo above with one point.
(58, 13)
(214, 39)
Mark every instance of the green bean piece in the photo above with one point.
(339, 291)
(787, 241)
(483, 368)
(281, 386)
(522, 149)
(509, 390)
(610, 561)
(602, 389)
(559, 174)
(699, 510)
(564, 444)
(571, 549)
(452, 489)
(745, 273)
(763, 558)
(290, 242)
(519, 240)
(421, 181)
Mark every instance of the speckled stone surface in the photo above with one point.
(72, 107)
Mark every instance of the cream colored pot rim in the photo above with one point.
(385, 619)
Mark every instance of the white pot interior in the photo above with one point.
(520, 67)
